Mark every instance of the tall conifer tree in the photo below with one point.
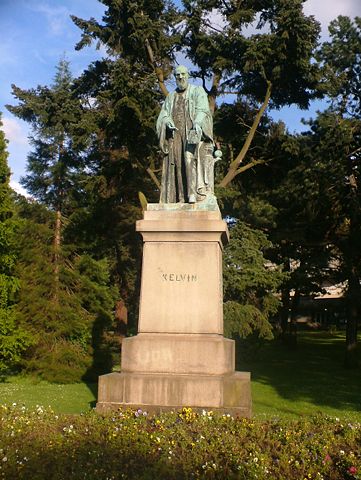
(66, 299)
(13, 339)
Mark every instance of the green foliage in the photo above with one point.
(341, 57)
(59, 137)
(70, 334)
(13, 339)
(250, 283)
(184, 444)
(123, 92)
(282, 55)
(128, 24)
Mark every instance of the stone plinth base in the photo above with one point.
(229, 393)
(179, 357)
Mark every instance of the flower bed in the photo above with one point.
(37, 444)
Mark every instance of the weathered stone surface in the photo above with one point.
(178, 354)
(159, 391)
(179, 357)
(181, 288)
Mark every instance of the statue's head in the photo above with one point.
(181, 77)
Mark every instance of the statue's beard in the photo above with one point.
(182, 84)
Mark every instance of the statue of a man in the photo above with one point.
(185, 132)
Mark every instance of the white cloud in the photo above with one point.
(323, 10)
(15, 131)
(326, 10)
(19, 189)
(57, 17)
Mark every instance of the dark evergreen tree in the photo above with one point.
(274, 65)
(67, 307)
(14, 340)
(333, 148)
(71, 337)
(124, 162)
(126, 88)
(55, 161)
(250, 283)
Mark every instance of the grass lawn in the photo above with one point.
(71, 398)
(286, 382)
(305, 379)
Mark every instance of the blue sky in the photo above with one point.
(35, 34)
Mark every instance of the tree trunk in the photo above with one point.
(285, 311)
(56, 256)
(286, 304)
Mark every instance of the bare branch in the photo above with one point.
(153, 177)
(354, 152)
(204, 84)
(213, 93)
(235, 164)
(242, 122)
(209, 25)
(252, 164)
(231, 152)
(157, 70)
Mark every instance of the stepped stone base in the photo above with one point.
(230, 393)
(179, 357)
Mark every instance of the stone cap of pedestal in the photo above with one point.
(183, 225)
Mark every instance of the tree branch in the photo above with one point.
(209, 25)
(234, 166)
(251, 164)
(214, 90)
(157, 70)
(153, 177)
(354, 152)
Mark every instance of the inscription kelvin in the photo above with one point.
(179, 277)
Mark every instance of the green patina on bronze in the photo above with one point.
(185, 131)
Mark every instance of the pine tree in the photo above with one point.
(52, 302)
(14, 340)
(56, 159)
(71, 337)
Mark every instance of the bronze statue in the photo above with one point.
(185, 132)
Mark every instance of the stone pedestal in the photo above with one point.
(179, 357)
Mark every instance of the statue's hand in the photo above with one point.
(171, 126)
(198, 129)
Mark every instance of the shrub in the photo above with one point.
(133, 445)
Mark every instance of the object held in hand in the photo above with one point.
(218, 154)
(194, 137)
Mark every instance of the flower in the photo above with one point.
(352, 470)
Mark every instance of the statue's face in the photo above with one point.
(181, 78)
